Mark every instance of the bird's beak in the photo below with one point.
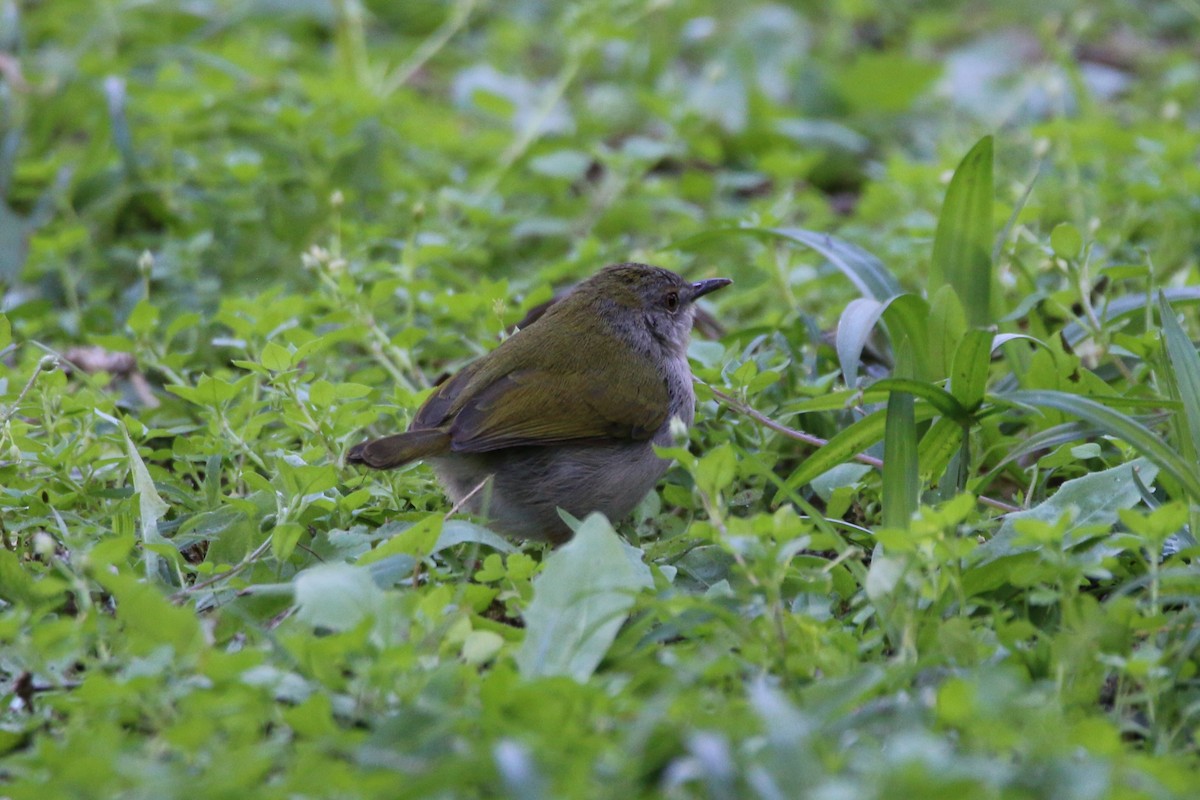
(701, 288)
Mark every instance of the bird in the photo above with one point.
(566, 412)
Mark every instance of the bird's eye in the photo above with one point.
(671, 301)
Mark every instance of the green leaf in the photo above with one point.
(321, 394)
(1141, 438)
(580, 601)
(972, 361)
(905, 315)
(848, 443)
(351, 391)
(716, 469)
(151, 506)
(185, 321)
(210, 524)
(901, 481)
(481, 647)
(284, 538)
(457, 532)
(1186, 363)
(150, 623)
(865, 271)
(937, 397)
(854, 328)
(940, 455)
(305, 479)
(1158, 525)
(1093, 499)
(1066, 241)
(570, 165)
(16, 585)
(962, 246)
(336, 596)
(416, 539)
(210, 391)
(143, 319)
(276, 357)
(956, 703)
(5, 332)
(947, 324)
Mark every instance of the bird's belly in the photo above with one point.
(529, 484)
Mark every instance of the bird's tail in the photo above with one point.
(399, 449)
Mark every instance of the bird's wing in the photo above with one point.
(541, 407)
(439, 407)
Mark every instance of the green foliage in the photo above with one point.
(961, 255)
(579, 601)
(238, 237)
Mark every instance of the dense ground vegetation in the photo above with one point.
(235, 237)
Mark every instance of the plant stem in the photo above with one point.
(429, 48)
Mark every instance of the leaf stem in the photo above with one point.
(432, 45)
(46, 364)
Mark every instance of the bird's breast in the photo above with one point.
(681, 396)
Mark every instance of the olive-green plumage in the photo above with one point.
(564, 412)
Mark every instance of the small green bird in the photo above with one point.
(564, 413)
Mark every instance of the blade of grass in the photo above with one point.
(901, 481)
(864, 270)
(848, 443)
(938, 446)
(907, 317)
(946, 324)
(1182, 356)
(1138, 436)
(972, 360)
(962, 246)
(937, 397)
(854, 328)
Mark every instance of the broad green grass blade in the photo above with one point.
(972, 361)
(901, 482)
(853, 330)
(1186, 363)
(938, 446)
(834, 401)
(848, 443)
(937, 397)
(946, 453)
(962, 246)
(1141, 438)
(864, 270)
(907, 317)
(946, 326)
(151, 507)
